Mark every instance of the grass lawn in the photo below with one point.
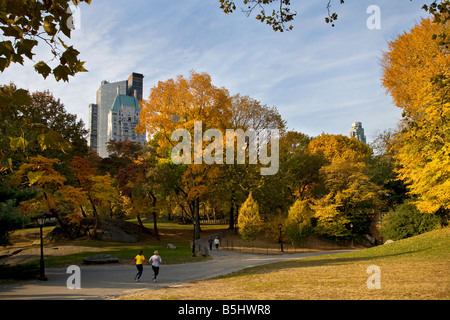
(414, 268)
(179, 235)
(127, 252)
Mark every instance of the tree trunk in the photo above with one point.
(83, 213)
(96, 217)
(197, 218)
(138, 217)
(231, 222)
(155, 226)
(55, 215)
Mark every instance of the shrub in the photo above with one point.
(10, 219)
(406, 221)
(249, 220)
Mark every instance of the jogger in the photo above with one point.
(155, 260)
(140, 259)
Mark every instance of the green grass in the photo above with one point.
(127, 252)
(177, 234)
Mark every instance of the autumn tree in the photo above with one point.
(141, 184)
(382, 167)
(99, 189)
(52, 113)
(299, 223)
(33, 153)
(348, 194)
(178, 105)
(249, 220)
(416, 73)
(37, 124)
(300, 165)
(236, 181)
(54, 197)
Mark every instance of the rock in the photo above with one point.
(171, 246)
(101, 259)
(389, 241)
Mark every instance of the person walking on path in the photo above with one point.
(217, 242)
(210, 241)
(155, 260)
(140, 259)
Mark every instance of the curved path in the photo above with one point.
(111, 281)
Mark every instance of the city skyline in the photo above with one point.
(321, 79)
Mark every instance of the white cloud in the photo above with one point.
(320, 78)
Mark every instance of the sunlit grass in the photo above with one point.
(414, 268)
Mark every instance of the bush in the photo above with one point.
(406, 221)
(10, 219)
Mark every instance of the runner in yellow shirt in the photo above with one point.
(140, 259)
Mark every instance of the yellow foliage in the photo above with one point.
(249, 220)
(417, 75)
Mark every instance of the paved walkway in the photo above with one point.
(111, 281)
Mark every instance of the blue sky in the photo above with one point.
(320, 78)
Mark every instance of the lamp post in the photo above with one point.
(41, 222)
(351, 227)
(193, 240)
(280, 239)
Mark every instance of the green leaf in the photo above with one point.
(34, 177)
(71, 56)
(49, 26)
(12, 31)
(21, 97)
(4, 63)
(43, 68)
(6, 49)
(25, 46)
(61, 73)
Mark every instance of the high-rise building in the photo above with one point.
(123, 119)
(100, 113)
(93, 126)
(357, 132)
(136, 85)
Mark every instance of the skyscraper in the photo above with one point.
(93, 126)
(100, 114)
(357, 132)
(136, 84)
(123, 119)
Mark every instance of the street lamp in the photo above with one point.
(41, 222)
(193, 239)
(280, 239)
(351, 227)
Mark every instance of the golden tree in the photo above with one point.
(347, 188)
(249, 220)
(416, 73)
(179, 105)
(299, 221)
